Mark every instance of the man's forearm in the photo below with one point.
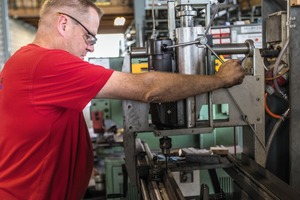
(168, 87)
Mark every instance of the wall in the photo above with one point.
(20, 34)
(13, 35)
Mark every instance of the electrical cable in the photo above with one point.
(276, 66)
(280, 74)
(212, 19)
(269, 111)
(154, 34)
(274, 131)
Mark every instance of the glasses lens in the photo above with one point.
(90, 39)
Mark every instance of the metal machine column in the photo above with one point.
(139, 16)
(294, 98)
(4, 40)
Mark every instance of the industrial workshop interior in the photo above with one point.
(241, 142)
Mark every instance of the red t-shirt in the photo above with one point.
(45, 148)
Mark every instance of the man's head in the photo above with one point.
(71, 25)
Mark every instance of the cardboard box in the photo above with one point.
(255, 2)
(294, 2)
(245, 4)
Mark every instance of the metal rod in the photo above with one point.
(237, 48)
(182, 44)
(156, 190)
(144, 190)
(212, 18)
(148, 152)
(138, 52)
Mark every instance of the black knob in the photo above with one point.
(221, 1)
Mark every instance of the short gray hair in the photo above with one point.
(80, 7)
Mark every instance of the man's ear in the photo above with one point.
(61, 24)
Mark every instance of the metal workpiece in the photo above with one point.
(148, 152)
(144, 191)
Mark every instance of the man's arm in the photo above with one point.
(165, 87)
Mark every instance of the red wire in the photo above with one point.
(269, 111)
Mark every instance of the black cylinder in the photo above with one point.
(160, 58)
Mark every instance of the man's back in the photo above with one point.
(45, 150)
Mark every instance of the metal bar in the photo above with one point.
(234, 48)
(138, 52)
(139, 16)
(164, 192)
(183, 131)
(144, 191)
(156, 190)
(215, 181)
(171, 186)
(258, 182)
(171, 19)
(212, 18)
(148, 152)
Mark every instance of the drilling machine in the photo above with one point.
(189, 50)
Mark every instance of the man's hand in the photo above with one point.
(231, 73)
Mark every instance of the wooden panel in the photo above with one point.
(31, 16)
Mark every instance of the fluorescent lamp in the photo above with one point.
(119, 21)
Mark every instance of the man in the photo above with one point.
(45, 149)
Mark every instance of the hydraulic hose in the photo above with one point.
(274, 131)
(276, 66)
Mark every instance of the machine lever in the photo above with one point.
(215, 54)
(165, 47)
(212, 18)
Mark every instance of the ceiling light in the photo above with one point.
(119, 21)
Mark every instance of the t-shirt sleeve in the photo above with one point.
(65, 81)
